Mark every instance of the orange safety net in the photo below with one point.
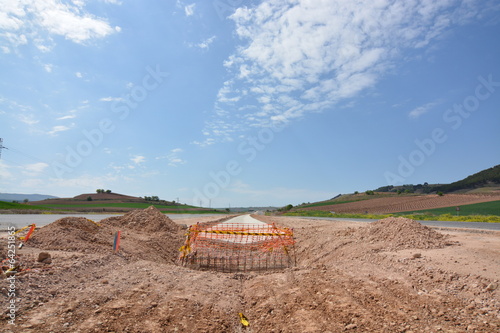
(235, 247)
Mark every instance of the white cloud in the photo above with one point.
(4, 171)
(189, 9)
(35, 169)
(59, 128)
(298, 57)
(69, 116)
(48, 68)
(79, 75)
(138, 159)
(418, 111)
(173, 157)
(34, 19)
(206, 43)
(111, 99)
(28, 119)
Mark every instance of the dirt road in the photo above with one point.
(387, 276)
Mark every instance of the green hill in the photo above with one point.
(483, 178)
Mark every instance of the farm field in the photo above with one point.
(393, 275)
(397, 204)
(106, 202)
(483, 208)
(17, 206)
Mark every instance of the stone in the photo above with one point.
(491, 286)
(44, 257)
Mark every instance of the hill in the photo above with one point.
(480, 187)
(9, 197)
(393, 203)
(485, 178)
(116, 202)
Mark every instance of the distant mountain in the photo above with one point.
(9, 197)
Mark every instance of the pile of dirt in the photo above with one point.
(145, 235)
(146, 220)
(397, 233)
(72, 234)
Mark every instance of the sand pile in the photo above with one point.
(72, 234)
(397, 233)
(146, 220)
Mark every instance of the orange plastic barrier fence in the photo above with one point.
(234, 247)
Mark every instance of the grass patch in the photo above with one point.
(483, 208)
(346, 198)
(137, 205)
(12, 205)
(421, 217)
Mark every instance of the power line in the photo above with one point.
(2, 147)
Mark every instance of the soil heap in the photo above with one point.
(72, 234)
(397, 233)
(146, 220)
(145, 234)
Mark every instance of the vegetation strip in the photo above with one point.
(421, 217)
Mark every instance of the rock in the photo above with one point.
(44, 257)
(417, 255)
(491, 286)
(351, 326)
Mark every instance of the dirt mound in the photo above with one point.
(146, 220)
(72, 234)
(397, 233)
(145, 235)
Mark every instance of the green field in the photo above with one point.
(12, 205)
(346, 198)
(484, 208)
(174, 209)
(416, 216)
(137, 205)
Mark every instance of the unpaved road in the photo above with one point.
(350, 277)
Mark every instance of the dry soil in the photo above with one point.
(393, 275)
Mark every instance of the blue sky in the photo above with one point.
(246, 103)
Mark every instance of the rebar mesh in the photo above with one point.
(237, 247)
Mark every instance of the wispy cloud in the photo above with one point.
(48, 68)
(71, 114)
(206, 43)
(419, 111)
(28, 119)
(173, 157)
(60, 128)
(189, 9)
(111, 99)
(35, 168)
(138, 159)
(298, 57)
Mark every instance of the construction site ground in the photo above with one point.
(386, 276)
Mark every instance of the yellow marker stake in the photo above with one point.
(244, 321)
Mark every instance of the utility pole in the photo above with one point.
(2, 147)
